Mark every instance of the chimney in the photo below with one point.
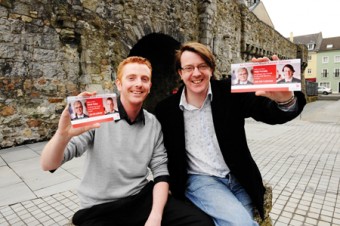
(291, 38)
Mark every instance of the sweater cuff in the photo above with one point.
(164, 178)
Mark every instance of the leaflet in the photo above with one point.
(281, 75)
(89, 110)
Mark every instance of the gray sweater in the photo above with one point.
(118, 157)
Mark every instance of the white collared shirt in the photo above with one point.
(203, 151)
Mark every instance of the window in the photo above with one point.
(251, 2)
(337, 73)
(309, 58)
(329, 46)
(324, 73)
(337, 59)
(325, 84)
(325, 59)
(309, 71)
(310, 46)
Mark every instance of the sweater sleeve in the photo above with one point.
(159, 160)
(78, 145)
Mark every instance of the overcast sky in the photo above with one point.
(304, 17)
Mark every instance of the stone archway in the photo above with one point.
(159, 49)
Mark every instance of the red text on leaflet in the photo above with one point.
(264, 74)
(95, 107)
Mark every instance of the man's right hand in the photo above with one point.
(65, 128)
(53, 152)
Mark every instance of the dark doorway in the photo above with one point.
(159, 49)
(339, 88)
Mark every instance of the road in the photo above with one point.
(322, 111)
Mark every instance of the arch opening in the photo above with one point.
(159, 49)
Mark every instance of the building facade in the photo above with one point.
(313, 43)
(323, 59)
(328, 64)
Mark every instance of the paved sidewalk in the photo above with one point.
(30, 196)
(300, 159)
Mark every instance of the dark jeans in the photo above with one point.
(134, 211)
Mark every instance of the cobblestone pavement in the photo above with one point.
(55, 209)
(300, 159)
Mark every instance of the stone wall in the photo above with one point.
(51, 49)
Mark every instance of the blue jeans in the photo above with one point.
(224, 199)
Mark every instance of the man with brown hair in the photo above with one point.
(203, 126)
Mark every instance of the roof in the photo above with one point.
(259, 9)
(309, 39)
(329, 44)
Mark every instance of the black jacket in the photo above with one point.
(229, 112)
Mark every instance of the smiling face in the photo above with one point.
(110, 105)
(242, 75)
(197, 80)
(78, 108)
(134, 83)
(288, 73)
